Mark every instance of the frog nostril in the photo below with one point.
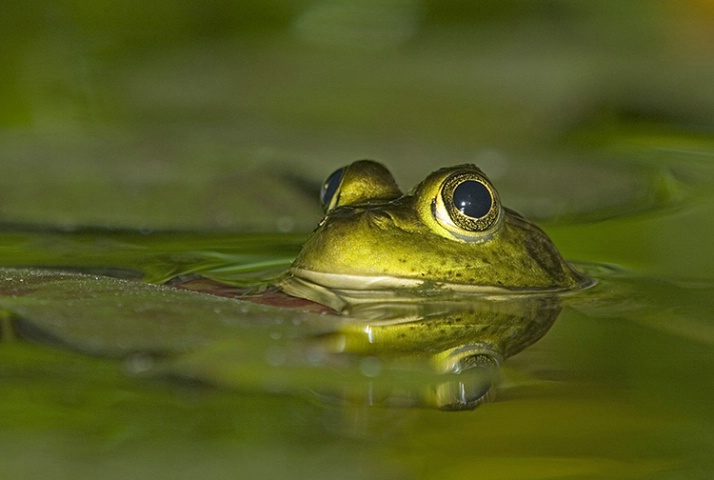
(380, 219)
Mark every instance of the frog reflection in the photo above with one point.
(467, 282)
(462, 340)
(443, 274)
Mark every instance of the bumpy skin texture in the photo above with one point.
(452, 276)
(392, 241)
(398, 235)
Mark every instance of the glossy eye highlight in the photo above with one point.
(467, 205)
(472, 198)
(330, 188)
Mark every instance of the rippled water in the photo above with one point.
(103, 376)
(160, 126)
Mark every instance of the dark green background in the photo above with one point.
(215, 118)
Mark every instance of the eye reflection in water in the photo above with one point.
(462, 340)
(441, 350)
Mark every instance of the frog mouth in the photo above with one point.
(340, 291)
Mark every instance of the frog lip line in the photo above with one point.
(385, 282)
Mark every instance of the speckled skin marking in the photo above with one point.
(384, 233)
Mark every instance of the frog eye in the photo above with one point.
(330, 187)
(360, 183)
(467, 205)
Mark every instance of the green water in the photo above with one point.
(618, 388)
(139, 143)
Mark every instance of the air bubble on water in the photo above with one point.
(315, 356)
(370, 366)
(285, 224)
(138, 363)
(276, 356)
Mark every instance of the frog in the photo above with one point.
(448, 235)
(443, 276)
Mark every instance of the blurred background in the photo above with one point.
(227, 115)
(594, 118)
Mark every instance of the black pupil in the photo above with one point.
(329, 188)
(473, 199)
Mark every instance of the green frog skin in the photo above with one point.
(450, 234)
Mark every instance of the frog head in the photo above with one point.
(449, 234)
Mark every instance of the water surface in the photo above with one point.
(617, 387)
(189, 139)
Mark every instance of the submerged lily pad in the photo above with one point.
(427, 357)
(115, 317)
